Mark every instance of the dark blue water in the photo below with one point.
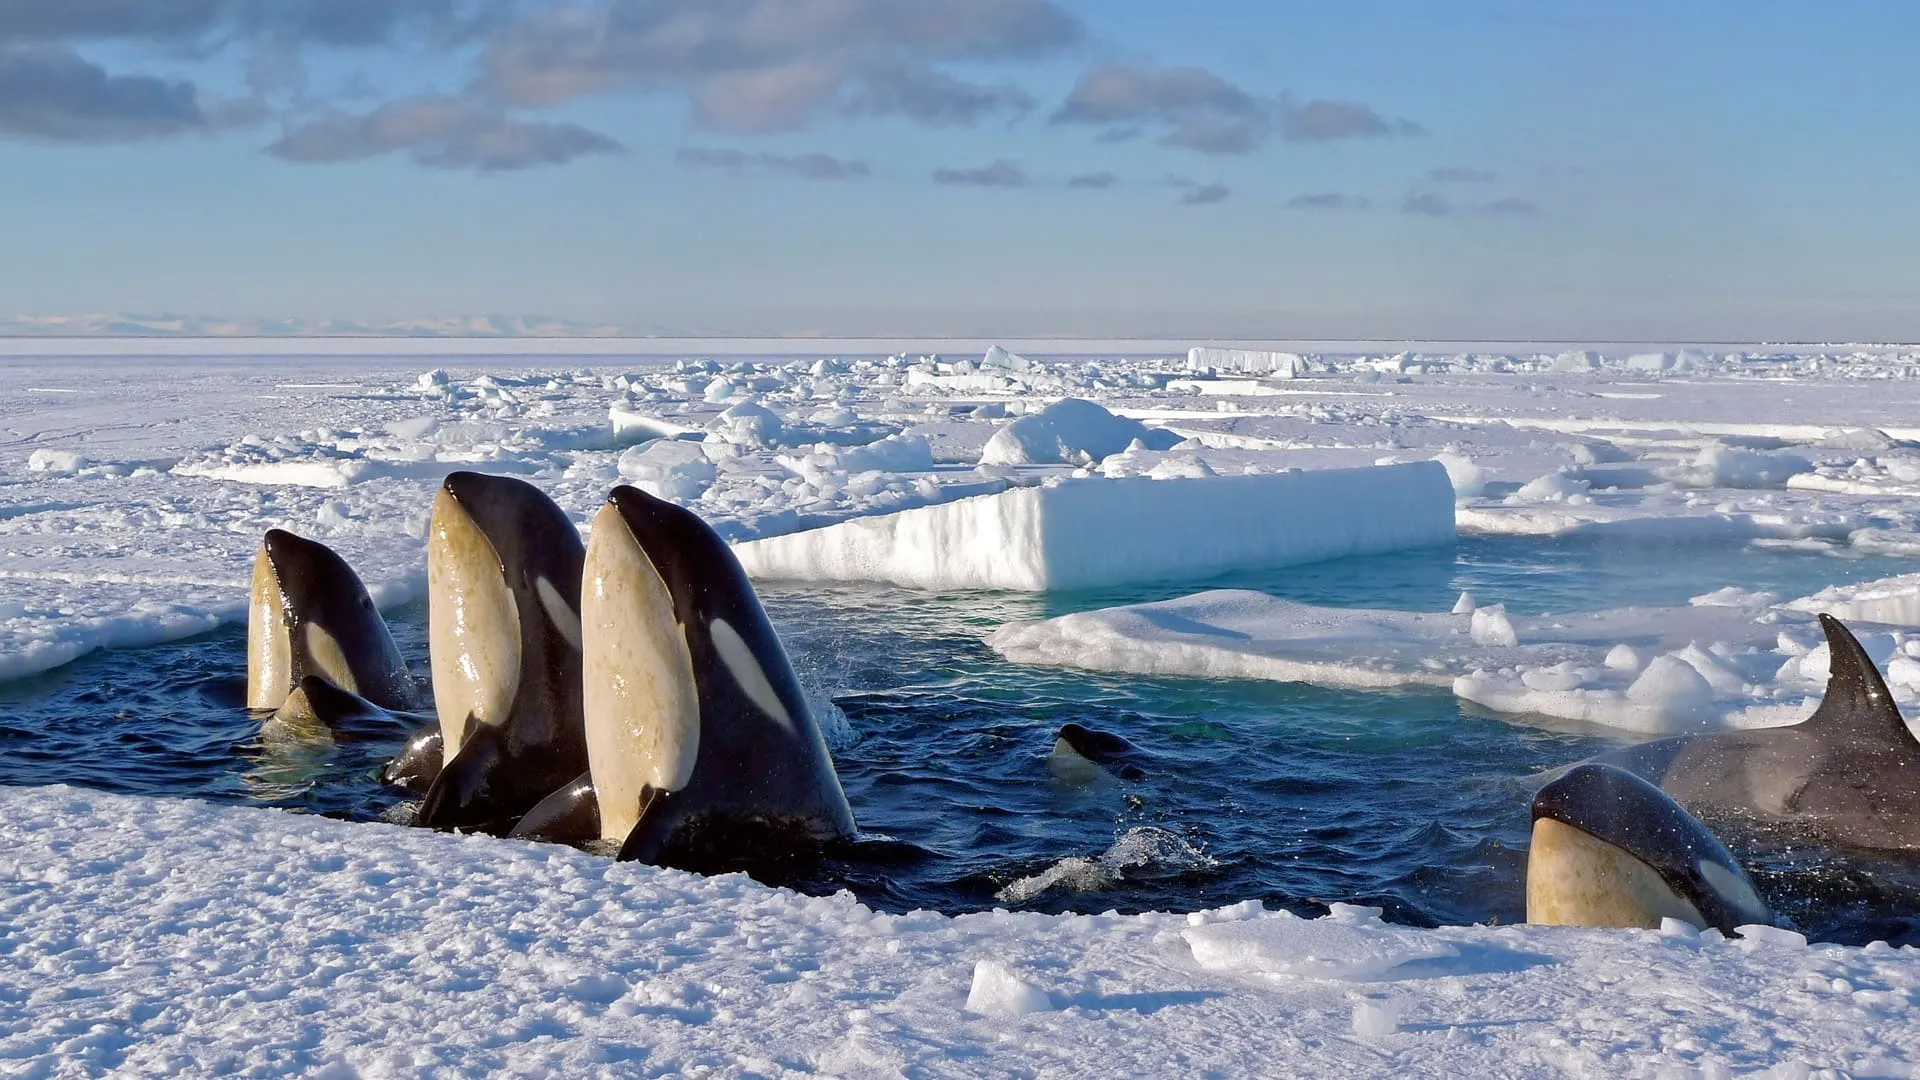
(1294, 795)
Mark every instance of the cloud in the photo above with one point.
(1321, 120)
(442, 132)
(330, 22)
(1511, 206)
(1329, 200)
(1095, 181)
(1194, 108)
(67, 19)
(1198, 110)
(1426, 204)
(755, 66)
(52, 93)
(802, 166)
(1461, 176)
(1002, 173)
(934, 98)
(1206, 194)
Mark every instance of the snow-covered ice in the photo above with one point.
(170, 937)
(1726, 660)
(156, 936)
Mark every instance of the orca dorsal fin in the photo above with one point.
(1857, 702)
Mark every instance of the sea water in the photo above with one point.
(1294, 795)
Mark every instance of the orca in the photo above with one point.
(1611, 849)
(702, 752)
(1848, 775)
(309, 618)
(503, 617)
(1082, 754)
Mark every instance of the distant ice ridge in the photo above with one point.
(1081, 532)
(1728, 660)
(1279, 365)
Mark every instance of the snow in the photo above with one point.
(170, 937)
(1735, 661)
(1079, 532)
(1069, 432)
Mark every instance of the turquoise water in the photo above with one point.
(1295, 795)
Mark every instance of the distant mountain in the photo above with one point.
(102, 324)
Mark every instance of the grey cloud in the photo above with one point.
(1329, 200)
(1461, 176)
(1426, 204)
(752, 66)
(1093, 181)
(1197, 109)
(1002, 173)
(804, 166)
(1511, 206)
(1321, 120)
(443, 132)
(333, 22)
(506, 144)
(370, 22)
(1206, 194)
(54, 94)
(934, 98)
(760, 102)
(56, 19)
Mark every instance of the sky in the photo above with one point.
(1621, 170)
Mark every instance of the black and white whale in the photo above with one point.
(1611, 849)
(312, 627)
(1082, 755)
(1849, 774)
(503, 603)
(702, 750)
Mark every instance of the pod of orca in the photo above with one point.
(629, 695)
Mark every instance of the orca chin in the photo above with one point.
(503, 584)
(1610, 849)
(317, 705)
(309, 616)
(700, 745)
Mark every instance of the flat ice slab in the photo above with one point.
(1084, 532)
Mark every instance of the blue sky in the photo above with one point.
(1623, 170)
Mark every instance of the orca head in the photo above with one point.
(1611, 849)
(308, 614)
(725, 628)
(1081, 754)
(641, 697)
(503, 583)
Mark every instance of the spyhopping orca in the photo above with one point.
(310, 623)
(702, 750)
(1081, 755)
(503, 602)
(1610, 849)
(1849, 773)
